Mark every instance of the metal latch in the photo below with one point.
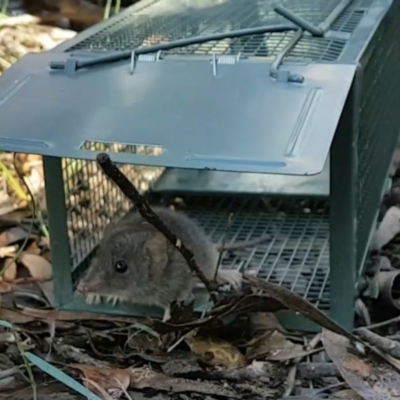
(223, 59)
(151, 57)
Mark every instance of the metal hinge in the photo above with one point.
(223, 59)
(152, 57)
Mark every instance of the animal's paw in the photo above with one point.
(167, 314)
(231, 277)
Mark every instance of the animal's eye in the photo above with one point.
(121, 267)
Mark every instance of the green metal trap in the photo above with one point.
(290, 132)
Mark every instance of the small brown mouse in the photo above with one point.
(136, 263)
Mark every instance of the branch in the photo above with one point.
(129, 190)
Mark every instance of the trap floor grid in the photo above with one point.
(295, 253)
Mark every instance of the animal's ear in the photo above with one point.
(156, 246)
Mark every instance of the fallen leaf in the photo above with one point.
(12, 235)
(295, 302)
(143, 342)
(387, 345)
(265, 321)
(6, 205)
(113, 381)
(30, 314)
(388, 228)
(5, 287)
(10, 272)
(60, 376)
(47, 255)
(6, 337)
(216, 351)
(48, 292)
(8, 251)
(14, 216)
(38, 266)
(368, 376)
(272, 345)
(143, 378)
(347, 394)
(33, 248)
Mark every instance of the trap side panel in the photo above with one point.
(296, 255)
(379, 123)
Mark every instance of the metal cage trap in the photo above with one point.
(283, 116)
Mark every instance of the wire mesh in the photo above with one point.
(164, 21)
(93, 202)
(295, 254)
(379, 123)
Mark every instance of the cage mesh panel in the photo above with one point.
(295, 256)
(93, 201)
(147, 27)
(379, 124)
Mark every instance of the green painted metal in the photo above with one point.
(320, 225)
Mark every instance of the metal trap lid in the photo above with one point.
(177, 112)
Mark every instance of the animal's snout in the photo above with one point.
(83, 289)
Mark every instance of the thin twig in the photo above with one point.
(221, 253)
(380, 324)
(330, 387)
(385, 344)
(129, 190)
(291, 380)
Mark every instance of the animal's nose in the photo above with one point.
(83, 289)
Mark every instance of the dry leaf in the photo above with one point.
(5, 287)
(48, 291)
(15, 216)
(347, 394)
(143, 342)
(46, 253)
(388, 228)
(295, 302)
(8, 251)
(10, 272)
(143, 378)
(369, 376)
(30, 314)
(113, 381)
(216, 351)
(272, 345)
(265, 321)
(384, 344)
(38, 266)
(12, 235)
(6, 205)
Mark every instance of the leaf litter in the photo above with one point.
(235, 351)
